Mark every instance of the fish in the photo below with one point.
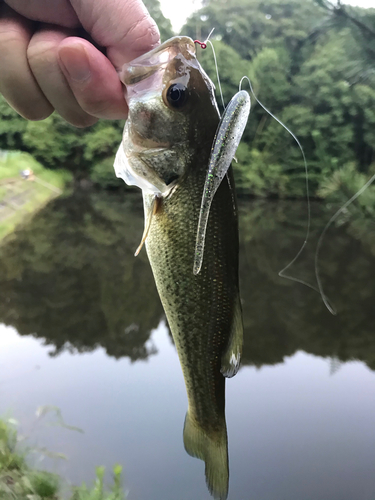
(166, 148)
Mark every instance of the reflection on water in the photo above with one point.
(70, 278)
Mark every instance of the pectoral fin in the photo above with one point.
(230, 360)
(152, 211)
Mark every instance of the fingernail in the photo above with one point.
(75, 62)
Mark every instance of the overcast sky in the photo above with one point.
(178, 12)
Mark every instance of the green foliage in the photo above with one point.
(361, 23)
(308, 68)
(85, 152)
(97, 492)
(256, 172)
(12, 164)
(164, 24)
(103, 175)
(231, 69)
(248, 26)
(101, 144)
(312, 64)
(44, 484)
(12, 127)
(19, 481)
(20, 198)
(56, 144)
(9, 460)
(343, 184)
(271, 69)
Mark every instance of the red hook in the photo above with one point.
(202, 44)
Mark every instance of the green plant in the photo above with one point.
(19, 481)
(98, 492)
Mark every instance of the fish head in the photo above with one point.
(172, 117)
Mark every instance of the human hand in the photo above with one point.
(46, 64)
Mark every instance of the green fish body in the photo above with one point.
(203, 310)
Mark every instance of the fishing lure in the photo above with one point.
(226, 141)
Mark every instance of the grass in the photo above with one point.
(18, 481)
(15, 161)
(19, 198)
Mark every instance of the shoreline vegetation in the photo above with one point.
(21, 198)
(20, 481)
(311, 64)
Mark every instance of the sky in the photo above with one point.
(179, 15)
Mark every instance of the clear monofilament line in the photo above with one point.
(320, 241)
(282, 273)
(217, 70)
(209, 36)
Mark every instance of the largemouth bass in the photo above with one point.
(166, 147)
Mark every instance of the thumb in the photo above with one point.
(123, 27)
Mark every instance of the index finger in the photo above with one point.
(124, 27)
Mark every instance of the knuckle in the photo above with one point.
(148, 32)
(41, 52)
(144, 33)
(8, 36)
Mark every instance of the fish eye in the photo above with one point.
(177, 95)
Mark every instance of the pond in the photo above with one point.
(82, 329)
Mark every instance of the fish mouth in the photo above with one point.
(152, 62)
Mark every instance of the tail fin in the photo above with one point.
(213, 450)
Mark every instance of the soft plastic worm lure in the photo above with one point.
(227, 139)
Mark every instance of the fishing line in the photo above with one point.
(217, 74)
(282, 273)
(320, 241)
(204, 46)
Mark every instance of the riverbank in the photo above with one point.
(18, 480)
(21, 197)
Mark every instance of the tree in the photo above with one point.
(248, 26)
(164, 24)
(12, 127)
(71, 278)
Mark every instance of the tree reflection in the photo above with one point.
(70, 277)
(282, 317)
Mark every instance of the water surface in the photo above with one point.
(83, 329)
